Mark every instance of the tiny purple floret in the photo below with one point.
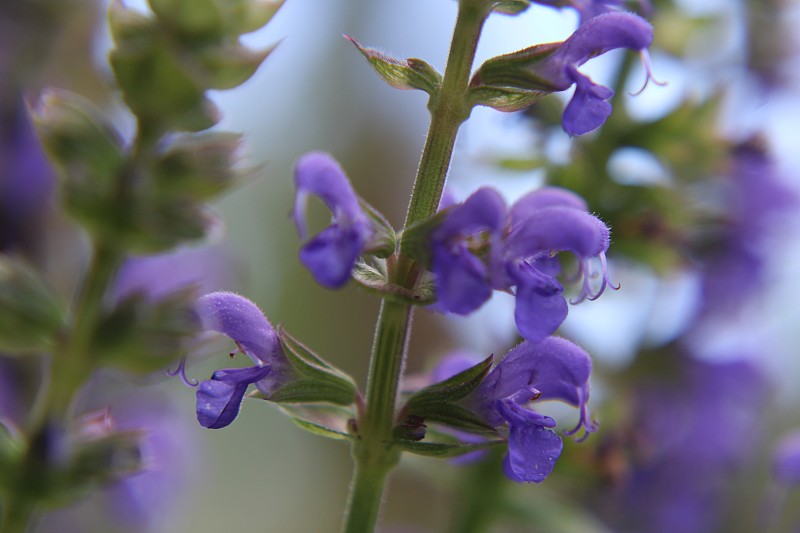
(219, 399)
(330, 254)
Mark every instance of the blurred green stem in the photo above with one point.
(373, 452)
(480, 495)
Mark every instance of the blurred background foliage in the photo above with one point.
(731, 68)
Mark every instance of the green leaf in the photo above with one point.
(30, 313)
(322, 431)
(402, 74)
(444, 449)
(329, 421)
(507, 99)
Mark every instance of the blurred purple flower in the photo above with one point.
(480, 247)
(586, 9)
(553, 369)
(786, 463)
(692, 434)
(26, 179)
(157, 276)
(589, 108)
(219, 399)
(330, 254)
(756, 199)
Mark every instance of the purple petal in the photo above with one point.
(602, 34)
(462, 280)
(330, 255)
(220, 398)
(555, 367)
(484, 210)
(545, 197)
(539, 311)
(558, 228)
(159, 275)
(240, 319)
(532, 448)
(588, 109)
(452, 364)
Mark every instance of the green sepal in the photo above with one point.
(513, 71)
(86, 151)
(140, 335)
(316, 380)
(506, 99)
(245, 16)
(102, 460)
(191, 20)
(197, 166)
(444, 449)
(414, 240)
(154, 82)
(330, 421)
(226, 65)
(30, 313)
(406, 74)
(511, 7)
(384, 239)
(372, 277)
(439, 402)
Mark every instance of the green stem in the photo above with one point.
(16, 516)
(448, 111)
(373, 452)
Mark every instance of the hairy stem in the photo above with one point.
(373, 452)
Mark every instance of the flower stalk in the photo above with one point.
(373, 453)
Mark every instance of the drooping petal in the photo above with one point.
(240, 319)
(220, 398)
(462, 280)
(540, 310)
(533, 448)
(588, 109)
(330, 255)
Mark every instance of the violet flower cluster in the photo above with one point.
(483, 246)
(553, 369)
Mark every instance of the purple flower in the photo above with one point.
(219, 399)
(26, 179)
(330, 254)
(588, 109)
(756, 198)
(480, 247)
(463, 279)
(786, 463)
(692, 432)
(158, 276)
(553, 369)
